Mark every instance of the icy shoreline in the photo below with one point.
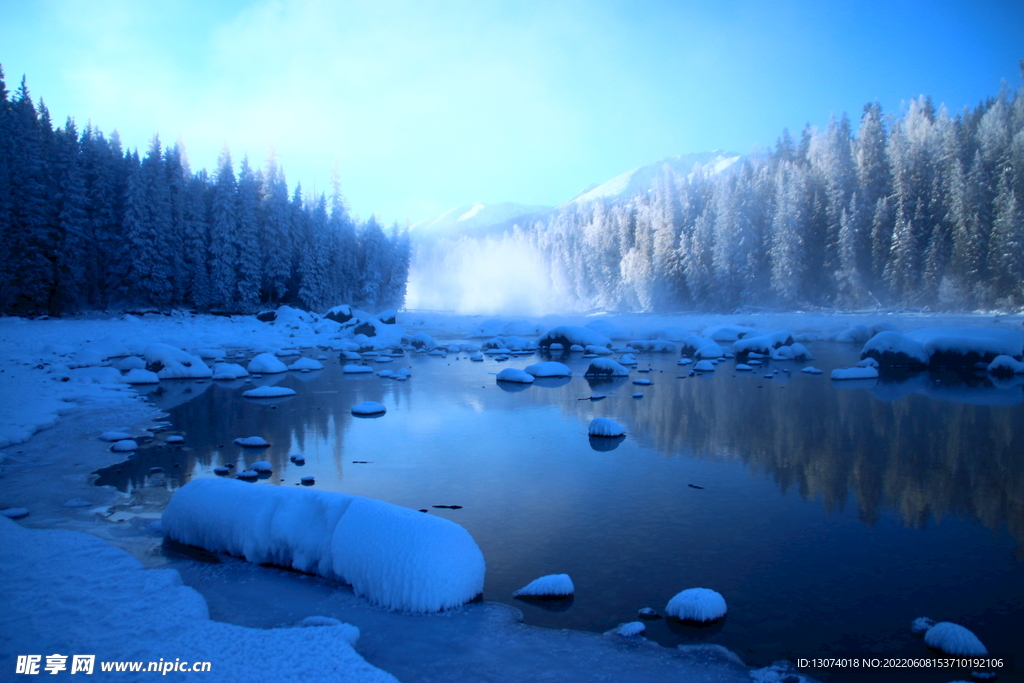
(49, 426)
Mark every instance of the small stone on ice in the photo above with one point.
(308, 481)
(648, 613)
(630, 629)
(547, 586)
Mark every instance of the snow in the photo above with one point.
(173, 363)
(704, 366)
(98, 599)
(515, 375)
(262, 466)
(920, 625)
(743, 367)
(953, 639)
(229, 371)
(252, 442)
(268, 392)
(306, 364)
(369, 408)
(124, 446)
(811, 370)
(763, 343)
(357, 369)
(396, 557)
(131, 363)
(940, 346)
(606, 367)
(654, 345)
(642, 381)
(854, 373)
(551, 585)
(138, 376)
(266, 364)
(605, 426)
(1005, 366)
(597, 350)
(697, 604)
(114, 436)
(630, 629)
(568, 335)
(549, 369)
(14, 513)
(608, 329)
(728, 333)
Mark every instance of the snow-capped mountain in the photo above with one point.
(480, 219)
(471, 218)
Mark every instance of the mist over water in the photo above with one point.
(494, 275)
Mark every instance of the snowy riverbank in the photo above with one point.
(58, 393)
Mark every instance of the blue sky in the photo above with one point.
(421, 106)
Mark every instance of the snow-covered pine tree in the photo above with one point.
(247, 238)
(223, 253)
(315, 260)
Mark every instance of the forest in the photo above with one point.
(922, 210)
(85, 225)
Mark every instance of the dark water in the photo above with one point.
(829, 515)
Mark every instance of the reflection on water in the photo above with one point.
(828, 515)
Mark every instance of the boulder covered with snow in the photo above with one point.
(228, 371)
(694, 342)
(515, 375)
(550, 586)
(252, 442)
(1005, 366)
(269, 392)
(124, 446)
(606, 367)
(396, 557)
(697, 604)
(169, 362)
(854, 373)
(139, 376)
(954, 639)
(266, 364)
(567, 335)
(356, 369)
(763, 343)
(728, 333)
(367, 408)
(339, 314)
(704, 366)
(605, 427)
(944, 346)
(422, 340)
(306, 364)
(549, 369)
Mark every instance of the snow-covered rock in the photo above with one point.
(694, 342)
(697, 604)
(743, 367)
(552, 585)
(954, 639)
(169, 362)
(368, 408)
(597, 350)
(357, 369)
(630, 629)
(515, 375)
(704, 366)
(549, 369)
(262, 466)
(728, 333)
(606, 367)
(306, 364)
(605, 426)
(131, 363)
(396, 557)
(114, 436)
(422, 340)
(811, 370)
(920, 625)
(944, 346)
(14, 513)
(854, 373)
(654, 345)
(763, 343)
(568, 335)
(124, 446)
(140, 376)
(339, 314)
(642, 381)
(228, 371)
(1005, 366)
(268, 392)
(266, 364)
(252, 442)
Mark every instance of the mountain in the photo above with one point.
(470, 218)
(483, 219)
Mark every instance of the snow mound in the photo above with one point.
(356, 369)
(124, 446)
(552, 585)
(697, 604)
(567, 335)
(944, 346)
(728, 333)
(266, 364)
(306, 364)
(743, 367)
(252, 442)
(763, 343)
(169, 362)
(1005, 366)
(14, 513)
(811, 370)
(704, 366)
(597, 350)
(131, 363)
(114, 436)
(515, 375)
(605, 426)
(139, 376)
(693, 343)
(606, 367)
(953, 639)
(268, 392)
(229, 371)
(549, 369)
(630, 629)
(369, 408)
(396, 557)
(642, 381)
(854, 373)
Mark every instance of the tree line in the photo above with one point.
(920, 210)
(86, 225)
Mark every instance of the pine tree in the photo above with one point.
(72, 229)
(223, 253)
(789, 264)
(275, 235)
(247, 238)
(315, 259)
(1006, 248)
